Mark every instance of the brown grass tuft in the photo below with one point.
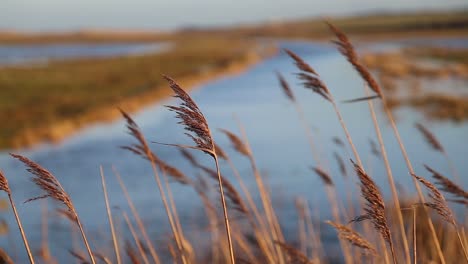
(430, 138)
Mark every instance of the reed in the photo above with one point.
(353, 237)
(6, 188)
(374, 208)
(110, 218)
(439, 204)
(137, 217)
(348, 51)
(243, 147)
(53, 189)
(195, 123)
(437, 146)
(142, 149)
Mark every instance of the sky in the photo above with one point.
(70, 15)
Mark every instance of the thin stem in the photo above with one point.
(137, 241)
(414, 237)
(85, 240)
(223, 202)
(416, 183)
(137, 217)
(313, 147)
(166, 207)
(391, 181)
(20, 226)
(347, 134)
(452, 168)
(264, 233)
(461, 242)
(109, 217)
(174, 211)
(266, 201)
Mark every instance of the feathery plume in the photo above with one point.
(236, 142)
(347, 49)
(188, 156)
(310, 78)
(295, 255)
(438, 202)
(353, 237)
(285, 87)
(220, 152)
(52, 188)
(192, 118)
(375, 206)
(338, 142)
(447, 185)
(430, 138)
(231, 192)
(4, 183)
(374, 149)
(47, 182)
(341, 163)
(323, 175)
(300, 63)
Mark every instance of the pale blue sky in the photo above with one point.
(63, 15)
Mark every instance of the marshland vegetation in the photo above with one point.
(378, 222)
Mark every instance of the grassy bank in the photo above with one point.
(46, 103)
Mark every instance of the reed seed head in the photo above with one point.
(375, 206)
(346, 48)
(430, 138)
(47, 182)
(309, 77)
(438, 202)
(4, 183)
(192, 119)
(353, 237)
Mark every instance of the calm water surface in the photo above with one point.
(274, 131)
(21, 54)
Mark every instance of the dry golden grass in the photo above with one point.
(262, 239)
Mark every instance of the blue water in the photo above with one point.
(32, 53)
(273, 129)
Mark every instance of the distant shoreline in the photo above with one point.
(61, 130)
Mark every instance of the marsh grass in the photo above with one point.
(399, 230)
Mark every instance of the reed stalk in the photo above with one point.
(4, 186)
(135, 238)
(391, 181)
(192, 118)
(110, 218)
(137, 217)
(52, 188)
(142, 149)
